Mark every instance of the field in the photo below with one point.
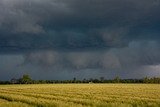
(80, 95)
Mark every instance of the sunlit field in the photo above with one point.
(80, 95)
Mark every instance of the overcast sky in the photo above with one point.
(63, 39)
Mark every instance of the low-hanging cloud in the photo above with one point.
(75, 35)
(136, 54)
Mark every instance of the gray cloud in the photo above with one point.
(137, 60)
(136, 54)
(48, 58)
(74, 35)
(73, 23)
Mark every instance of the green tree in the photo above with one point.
(74, 80)
(25, 79)
(146, 80)
(116, 80)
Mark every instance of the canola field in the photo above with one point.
(80, 95)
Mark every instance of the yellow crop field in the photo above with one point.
(80, 95)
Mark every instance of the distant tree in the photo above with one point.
(84, 81)
(96, 81)
(116, 80)
(146, 80)
(14, 81)
(25, 79)
(74, 80)
(102, 79)
(155, 80)
(91, 80)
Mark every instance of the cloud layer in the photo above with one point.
(76, 24)
(73, 35)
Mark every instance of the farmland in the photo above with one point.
(80, 95)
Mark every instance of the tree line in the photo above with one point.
(26, 79)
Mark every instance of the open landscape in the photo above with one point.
(80, 95)
(79, 53)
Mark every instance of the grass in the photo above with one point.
(80, 95)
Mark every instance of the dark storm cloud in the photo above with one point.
(75, 24)
(90, 35)
(138, 53)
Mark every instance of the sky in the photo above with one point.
(63, 39)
